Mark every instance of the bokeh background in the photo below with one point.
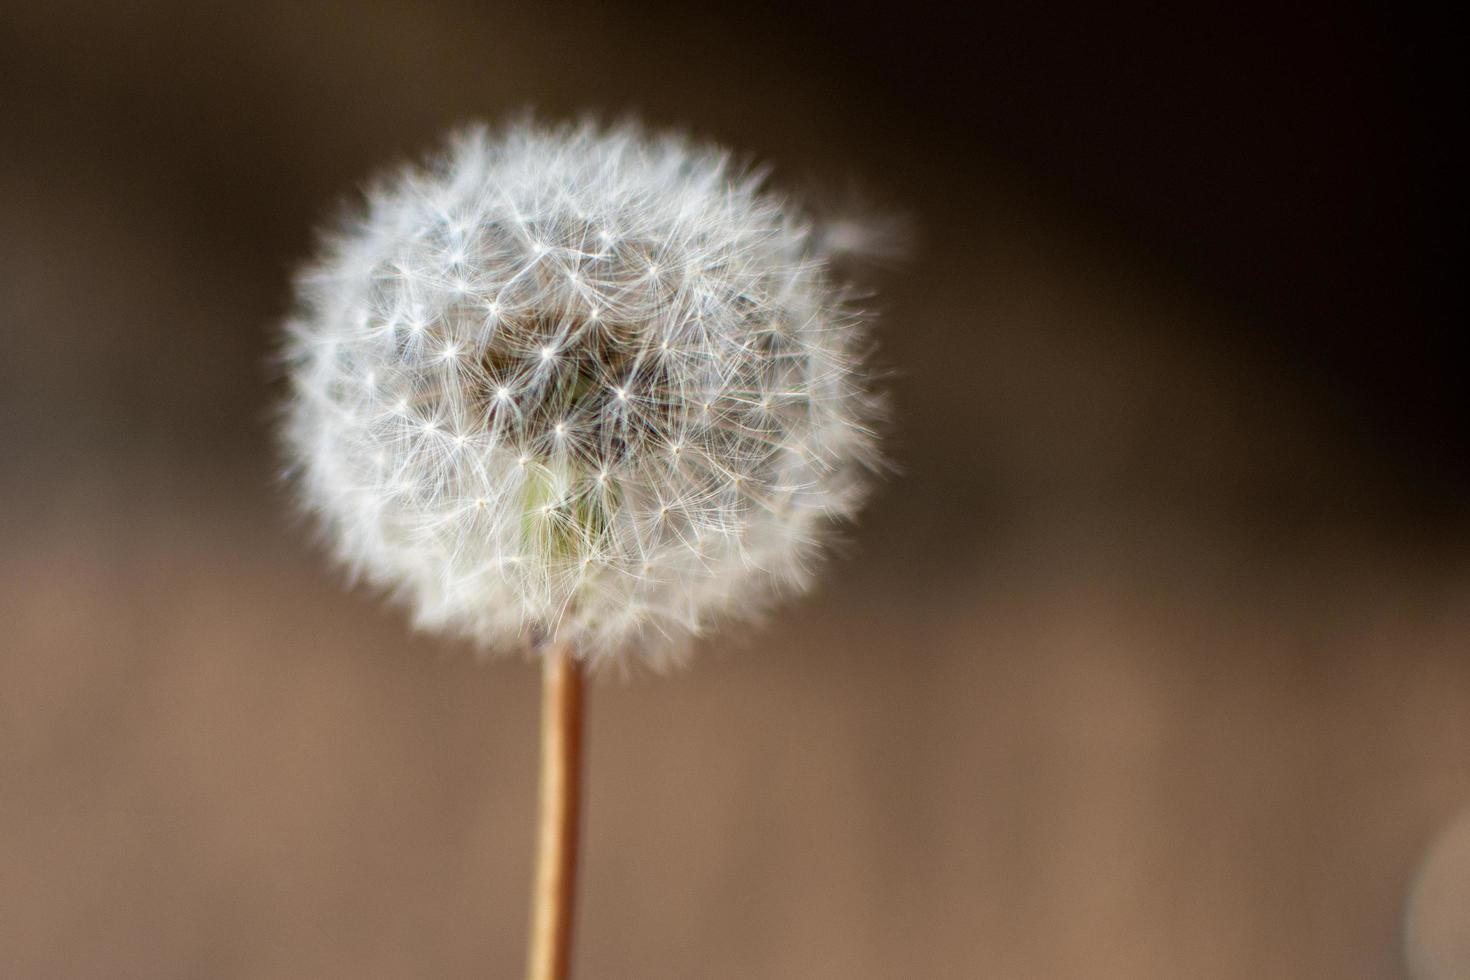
(1152, 662)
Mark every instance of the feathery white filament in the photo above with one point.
(582, 383)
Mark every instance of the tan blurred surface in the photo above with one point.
(219, 765)
(1437, 940)
(1139, 669)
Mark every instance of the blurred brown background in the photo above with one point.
(1152, 663)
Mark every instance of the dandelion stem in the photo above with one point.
(554, 890)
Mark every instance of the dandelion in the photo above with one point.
(580, 390)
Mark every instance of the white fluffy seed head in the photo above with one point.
(579, 384)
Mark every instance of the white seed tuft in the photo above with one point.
(584, 384)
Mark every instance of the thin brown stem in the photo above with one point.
(554, 892)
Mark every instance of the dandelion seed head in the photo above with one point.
(574, 267)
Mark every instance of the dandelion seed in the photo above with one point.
(448, 264)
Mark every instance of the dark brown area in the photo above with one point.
(1150, 662)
